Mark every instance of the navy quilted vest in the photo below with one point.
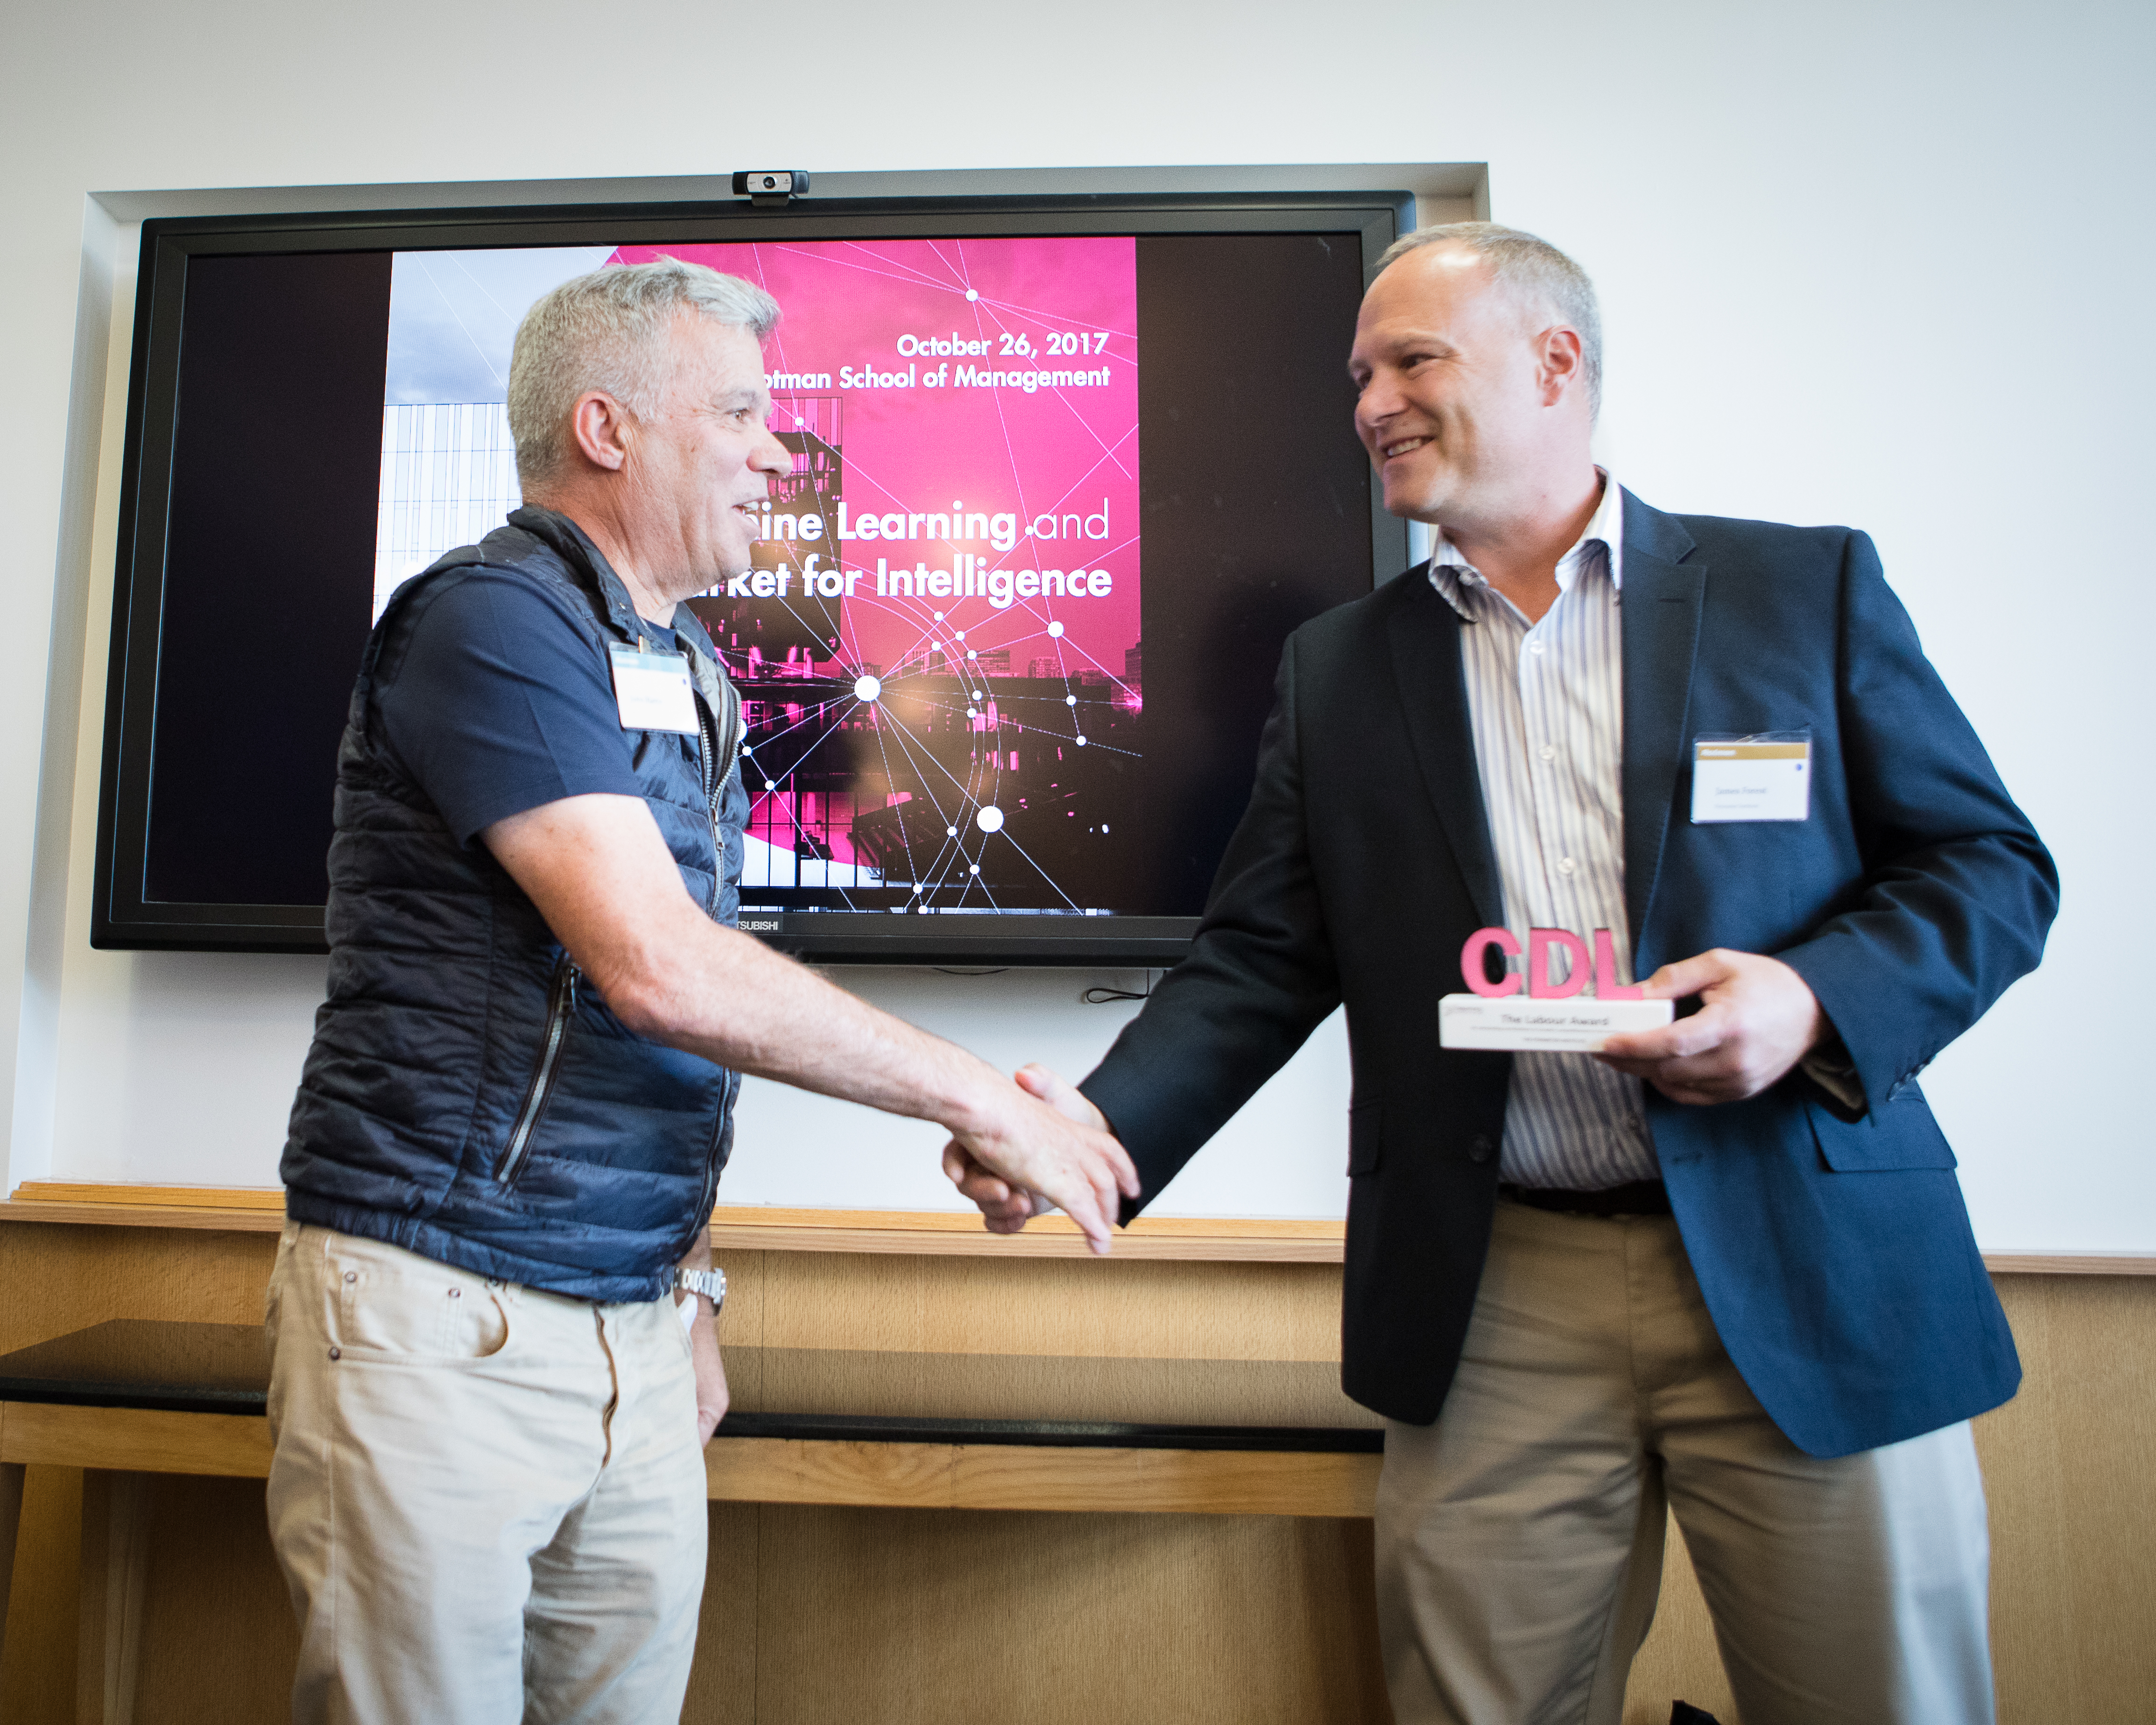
(468, 1095)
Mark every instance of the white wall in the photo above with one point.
(1859, 264)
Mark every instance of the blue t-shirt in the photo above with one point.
(498, 703)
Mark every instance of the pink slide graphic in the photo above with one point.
(939, 643)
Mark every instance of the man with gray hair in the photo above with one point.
(487, 1495)
(1723, 1270)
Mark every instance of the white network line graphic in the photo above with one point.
(965, 804)
(947, 730)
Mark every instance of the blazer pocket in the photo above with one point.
(1893, 1135)
(1365, 1138)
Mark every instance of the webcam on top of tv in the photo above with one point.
(769, 188)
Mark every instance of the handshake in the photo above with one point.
(1048, 1148)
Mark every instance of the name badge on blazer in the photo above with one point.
(1766, 776)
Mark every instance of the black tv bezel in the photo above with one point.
(123, 919)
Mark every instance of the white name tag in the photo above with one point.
(652, 690)
(1763, 778)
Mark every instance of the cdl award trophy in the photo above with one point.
(1547, 1015)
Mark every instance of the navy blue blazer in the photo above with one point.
(1834, 1253)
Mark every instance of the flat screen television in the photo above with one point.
(1066, 473)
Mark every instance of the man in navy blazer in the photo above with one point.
(1728, 1269)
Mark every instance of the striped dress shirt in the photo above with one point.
(1547, 703)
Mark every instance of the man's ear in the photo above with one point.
(601, 427)
(1560, 362)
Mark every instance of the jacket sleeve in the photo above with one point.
(1958, 891)
(1259, 978)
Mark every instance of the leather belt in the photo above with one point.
(1640, 1198)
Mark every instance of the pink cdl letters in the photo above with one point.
(1470, 962)
(1543, 943)
(1606, 985)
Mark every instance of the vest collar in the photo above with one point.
(575, 547)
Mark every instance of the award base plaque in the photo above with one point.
(1516, 1024)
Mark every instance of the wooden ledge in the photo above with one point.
(785, 1470)
(243, 1209)
(2070, 1263)
(739, 1227)
(997, 1477)
(748, 1227)
(760, 1228)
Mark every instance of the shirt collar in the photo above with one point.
(1452, 574)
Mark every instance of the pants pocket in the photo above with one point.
(409, 1309)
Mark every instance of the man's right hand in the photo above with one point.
(1006, 1190)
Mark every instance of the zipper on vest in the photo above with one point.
(721, 757)
(712, 1152)
(717, 772)
(561, 1001)
(721, 748)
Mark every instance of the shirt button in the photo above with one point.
(1479, 1151)
(1549, 751)
(1534, 646)
(1564, 865)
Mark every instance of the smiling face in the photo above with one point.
(1470, 403)
(699, 470)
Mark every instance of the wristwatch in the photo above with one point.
(712, 1284)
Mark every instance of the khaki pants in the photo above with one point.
(1520, 1538)
(488, 1502)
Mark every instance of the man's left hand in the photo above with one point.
(1758, 1017)
(710, 1369)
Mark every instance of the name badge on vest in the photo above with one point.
(1767, 776)
(652, 690)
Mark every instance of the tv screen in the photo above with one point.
(1065, 474)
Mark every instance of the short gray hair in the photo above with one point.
(1530, 269)
(612, 330)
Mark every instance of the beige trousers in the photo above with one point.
(1520, 1537)
(488, 1502)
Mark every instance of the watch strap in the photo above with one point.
(712, 1284)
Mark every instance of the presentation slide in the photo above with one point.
(938, 641)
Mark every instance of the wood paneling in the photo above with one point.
(985, 1477)
(219, 1643)
(136, 1440)
(1113, 1307)
(1679, 1662)
(740, 1228)
(816, 1612)
(723, 1687)
(1165, 1481)
(2070, 1469)
(770, 1228)
(12, 1482)
(987, 1619)
(779, 1470)
(115, 1568)
(56, 1277)
(37, 1668)
(919, 1475)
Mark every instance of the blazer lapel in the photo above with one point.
(1433, 694)
(1662, 599)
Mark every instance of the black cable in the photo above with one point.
(1103, 997)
